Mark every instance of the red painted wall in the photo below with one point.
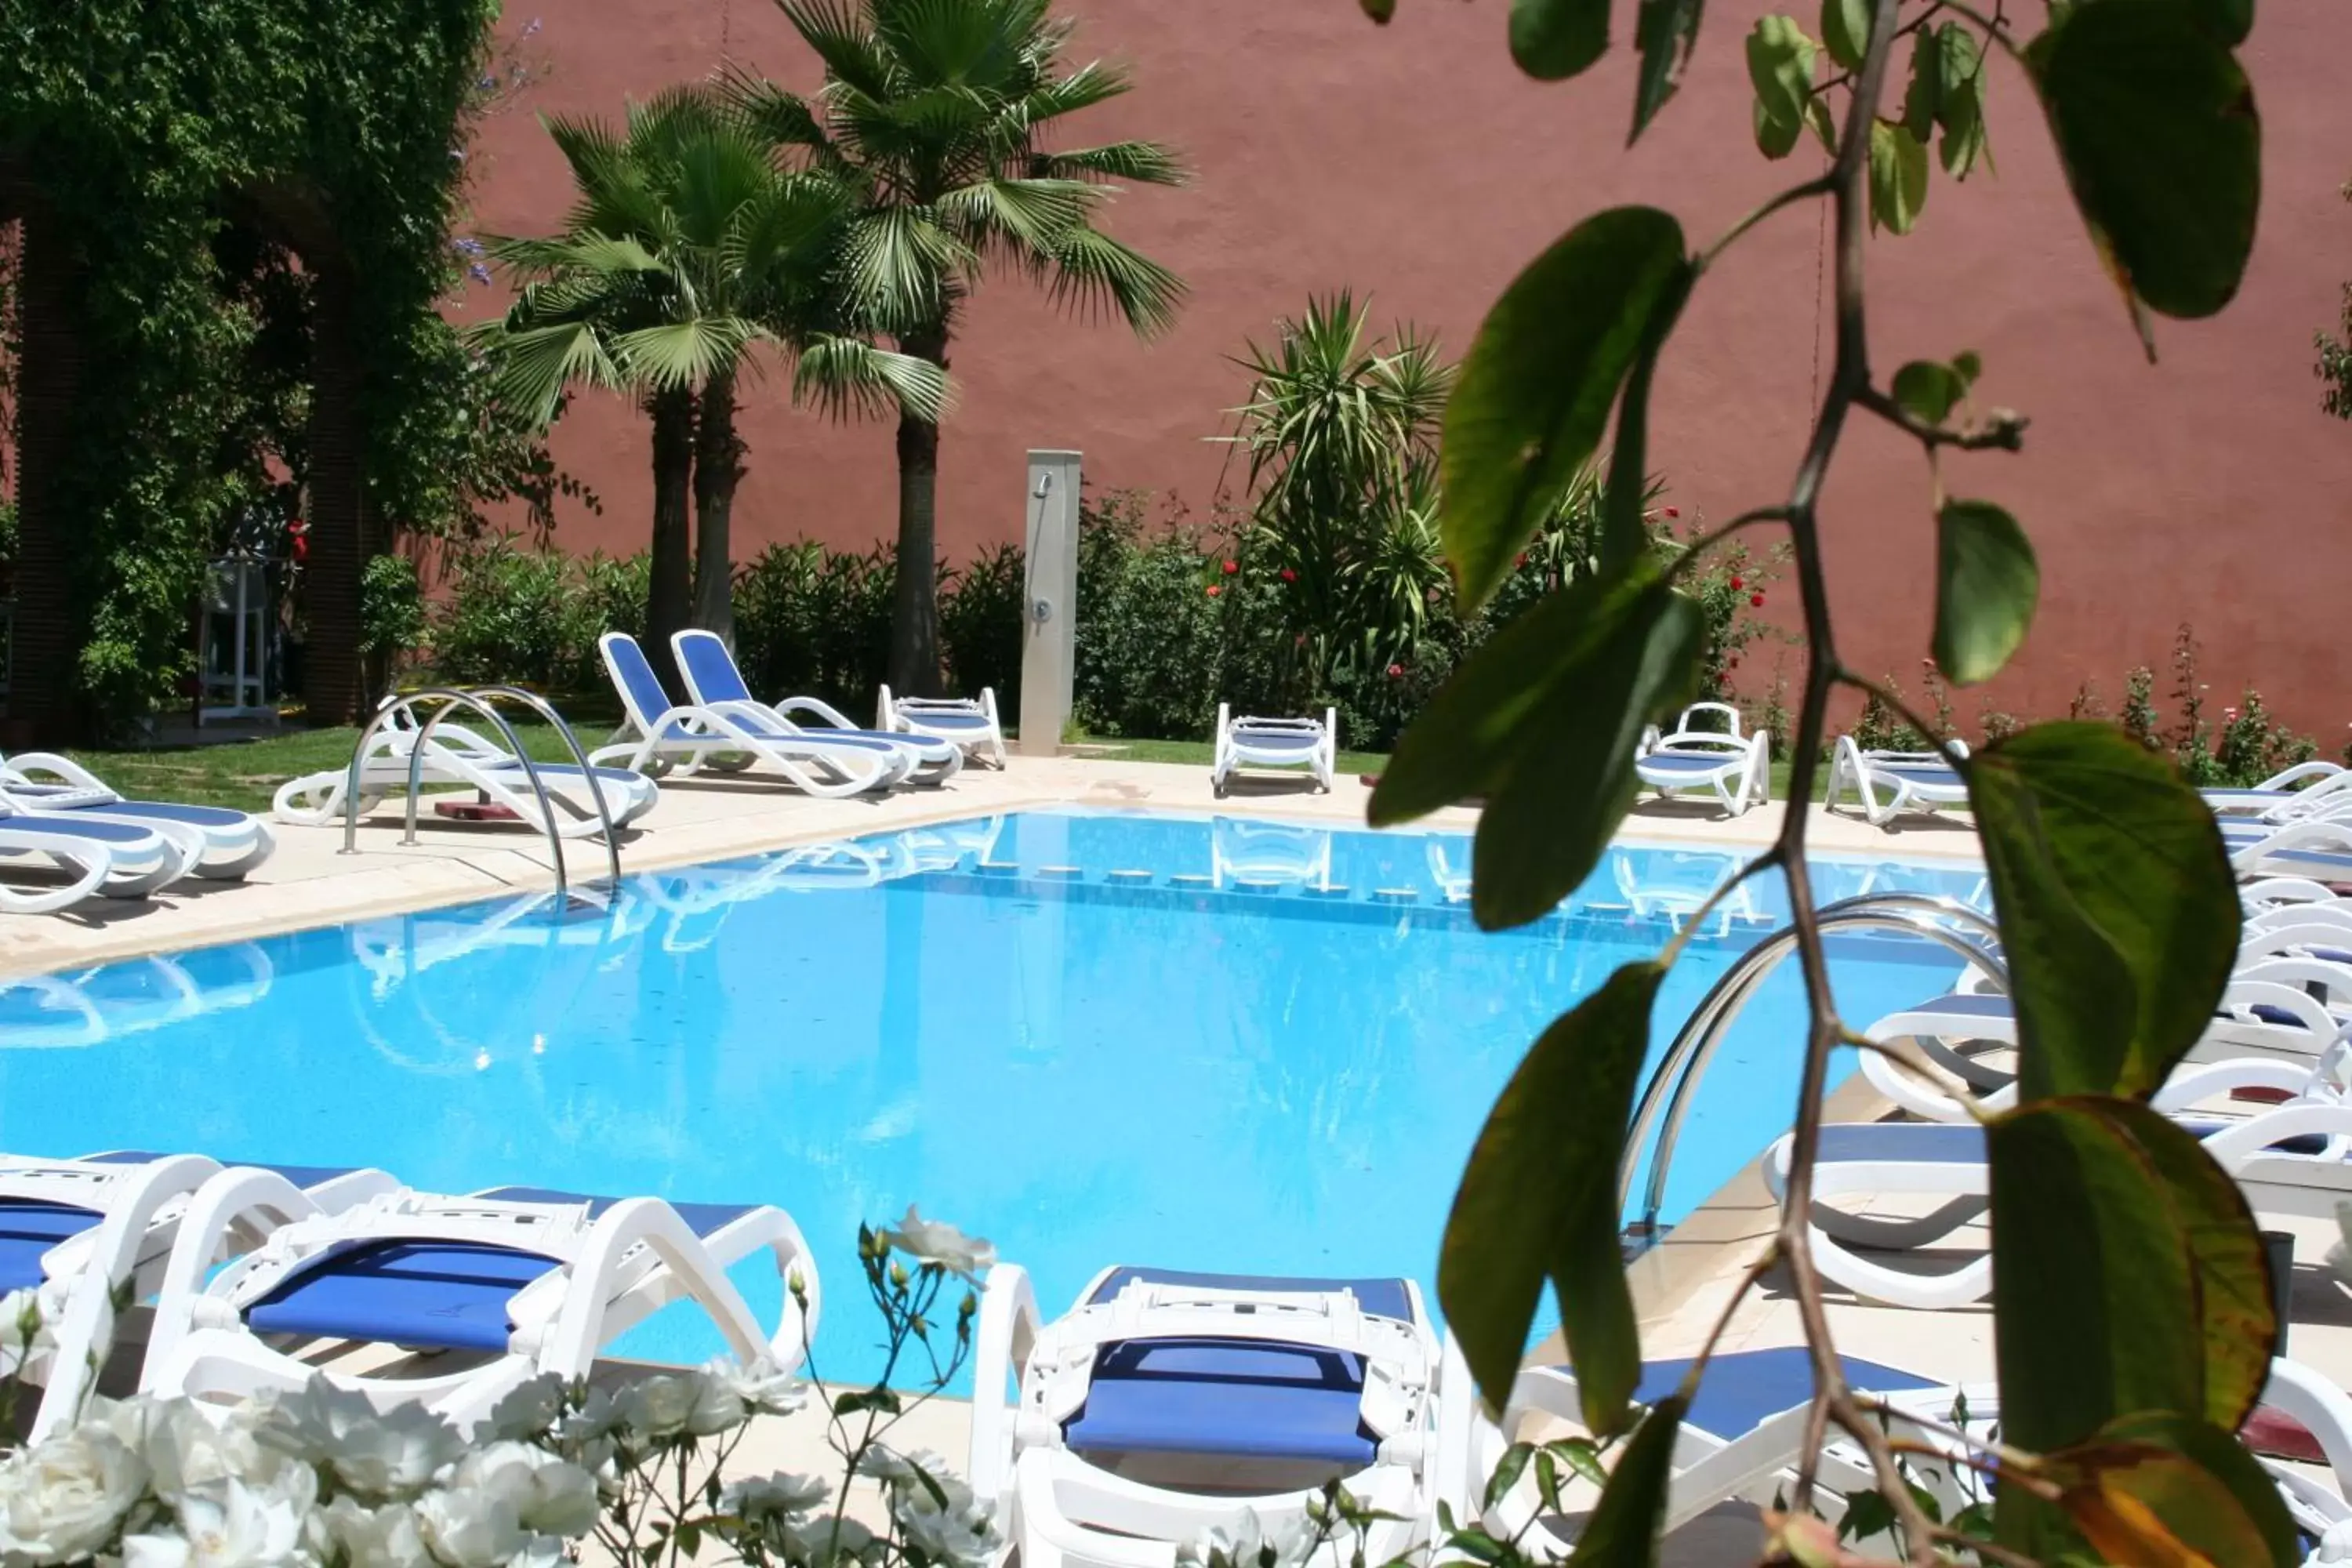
(1413, 164)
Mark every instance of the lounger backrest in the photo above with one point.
(707, 669)
(633, 676)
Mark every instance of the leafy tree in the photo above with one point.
(687, 250)
(2132, 1319)
(935, 114)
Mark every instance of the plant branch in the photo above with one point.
(1849, 377)
(1700, 543)
(1790, 197)
(1903, 710)
(1673, 949)
(2004, 432)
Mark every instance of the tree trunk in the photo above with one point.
(718, 468)
(915, 605)
(668, 602)
(334, 686)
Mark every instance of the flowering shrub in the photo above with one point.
(319, 1479)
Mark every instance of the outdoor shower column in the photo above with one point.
(1049, 650)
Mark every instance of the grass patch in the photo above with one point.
(1199, 753)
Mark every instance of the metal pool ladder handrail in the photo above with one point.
(1666, 1098)
(477, 700)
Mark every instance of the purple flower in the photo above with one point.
(477, 272)
(487, 83)
(531, 27)
(465, 245)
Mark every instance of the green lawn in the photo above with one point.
(1199, 753)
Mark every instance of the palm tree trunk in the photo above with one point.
(669, 600)
(915, 607)
(717, 468)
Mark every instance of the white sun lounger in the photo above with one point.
(656, 736)
(1163, 1404)
(101, 859)
(969, 722)
(2317, 846)
(527, 1280)
(1741, 1440)
(1738, 770)
(714, 682)
(80, 1234)
(1246, 741)
(1888, 784)
(232, 842)
(2287, 794)
(459, 757)
(1251, 853)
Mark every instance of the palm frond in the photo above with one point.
(784, 121)
(1098, 81)
(1143, 163)
(572, 252)
(1094, 274)
(850, 53)
(898, 262)
(534, 364)
(682, 353)
(1033, 216)
(846, 376)
(975, 43)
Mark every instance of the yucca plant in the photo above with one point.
(937, 115)
(687, 251)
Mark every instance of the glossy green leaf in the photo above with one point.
(1534, 395)
(2155, 1481)
(1624, 529)
(1845, 31)
(1554, 40)
(1928, 390)
(1987, 583)
(1969, 365)
(1623, 1527)
(1780, 68)
(1959, 99)
(2156, 128)
(1924, 92)
(1539, 1199)
(1379, 11)
(1664, 32)
(1898, 177)
(2118, 906)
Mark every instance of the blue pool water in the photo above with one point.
(1094, 1037)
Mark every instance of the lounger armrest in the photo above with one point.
(2305, 1118)
(1003, 1342)
(574, 1337)
(2323, 1408)
(818, 706)
(238, 1195)
(63, 768)
(2194, 1085)
(2316, 768)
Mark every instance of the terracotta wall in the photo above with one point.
(1414, 166)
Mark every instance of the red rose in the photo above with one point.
(1232, 567)
(1396, 672)
(1737, 584)
(1522, 561)
(1287, 574)
(1733, 663)
(1756, 600)
(1215, 590)
(1674, 511)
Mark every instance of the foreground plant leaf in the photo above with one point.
(1535, 392)
(1780, 68)
(1625, 531)
(1987, 583)
(1542, 722)
(1540, 1198)
(2129, 1276)
(1554, 40)
(2162, 146)
(2118, 906)
(2158, 1488)
(1664, 31)
(1898, 176)
(1623, 1526)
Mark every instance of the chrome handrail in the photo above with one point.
(1669, 1091)
(451, 698)
(546, 710)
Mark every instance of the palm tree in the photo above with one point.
(937, 113)
(687, 250)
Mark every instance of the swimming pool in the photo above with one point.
(1221, 1042)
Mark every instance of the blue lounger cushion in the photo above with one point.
(1744, 1389)
(66, 825)
(1277, 739)
(27, 1231)
(158, 810)
(1942, 1143)
(1693, 762)
(439, 1295)
(1932, 774)
(718, 679)
(1238, 1399)
(938, 720)
(1965, 1005)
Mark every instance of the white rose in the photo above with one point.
(550, 1497)
(470, 1528)
(655, 1407)
(385, 1537)
(763, 1387)
(886, 1464)
(244, 1526)
(379, 1454)
(1248, 1543)
(934, 1241)
(813, 1540)
(956, 1530)
(28, 1328)
(780, 1495)
(529, 1409)
(65, 1498)
(189, 1448)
